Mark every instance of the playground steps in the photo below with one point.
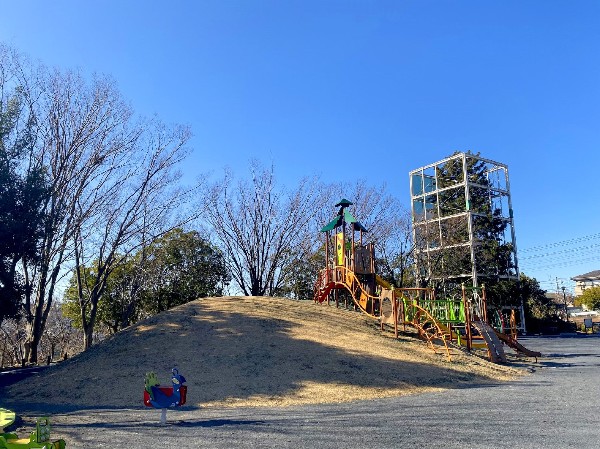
(495, 346)
(322, 292)
(322, 287)
(460, 339)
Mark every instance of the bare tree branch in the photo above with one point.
(261, 229)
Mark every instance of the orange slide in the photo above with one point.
(517, 346)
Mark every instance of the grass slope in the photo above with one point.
(251, 351)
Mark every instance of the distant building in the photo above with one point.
(587, 280)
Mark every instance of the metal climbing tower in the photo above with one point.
(462, 222)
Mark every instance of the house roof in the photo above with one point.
(591, 276)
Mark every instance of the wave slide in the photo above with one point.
(428, 327)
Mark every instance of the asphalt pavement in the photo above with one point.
(12, 376)
(554, 407)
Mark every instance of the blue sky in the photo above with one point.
(362, 89)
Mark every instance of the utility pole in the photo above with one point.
(558, 289)
(557, 292)
(565, 301)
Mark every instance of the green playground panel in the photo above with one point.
(443, 310)
(38, 439)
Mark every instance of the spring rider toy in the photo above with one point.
(163, 397)
(39, 439)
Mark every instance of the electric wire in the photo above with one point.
(570, 253)
(584, 238)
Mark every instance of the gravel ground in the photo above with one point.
(554, 407)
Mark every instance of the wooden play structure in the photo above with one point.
(443, 323)
(38, 439)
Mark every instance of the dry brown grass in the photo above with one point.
(254, 351)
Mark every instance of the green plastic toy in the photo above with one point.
(7, 417)
(39, 439)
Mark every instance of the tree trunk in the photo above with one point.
(32, 342)
(88, 323)
(88, 336)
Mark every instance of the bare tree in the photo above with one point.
(12, 336)
(61, 339)
(111, 185)
(387, 221)
(128, 210)
(22, 186)
(262, 229)
(376, 209)
(82, 132)
(396, 249)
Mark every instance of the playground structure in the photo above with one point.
(38, 439)
(442, 323)
(163, 396)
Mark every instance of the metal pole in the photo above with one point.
(565, 301)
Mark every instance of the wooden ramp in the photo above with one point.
(495, 346)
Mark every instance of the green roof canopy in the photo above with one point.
(344, 203)
(358, 227)
(336, 222)
(346, 218)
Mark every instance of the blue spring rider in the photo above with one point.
(162, 396)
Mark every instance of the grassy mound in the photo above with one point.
(251, 351)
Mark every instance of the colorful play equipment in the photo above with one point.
(162, 396)
(38, 439)
(443, 323)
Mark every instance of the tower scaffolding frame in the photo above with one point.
(448, 210)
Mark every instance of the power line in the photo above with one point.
(566, 253)
(585, 238)
(559, 264)
(574, 258)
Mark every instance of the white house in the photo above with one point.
(587, 280)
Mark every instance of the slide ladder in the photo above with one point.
(322, 287)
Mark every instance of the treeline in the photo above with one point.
(97, 231)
